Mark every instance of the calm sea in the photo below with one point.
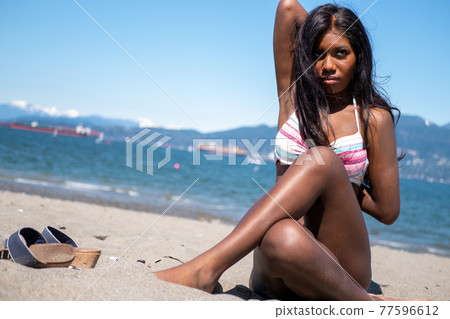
(79, 169)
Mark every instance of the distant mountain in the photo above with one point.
(25, 112)
(427, 149)
(93, 121)
(427, 145)
(12, 111)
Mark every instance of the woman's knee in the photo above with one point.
(287, 242)
(323, 155)
(320, 159)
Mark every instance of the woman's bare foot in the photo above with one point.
(189, 275)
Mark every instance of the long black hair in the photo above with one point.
(310, 96)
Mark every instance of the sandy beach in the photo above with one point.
(144, 242)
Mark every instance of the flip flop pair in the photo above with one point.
(51, 248)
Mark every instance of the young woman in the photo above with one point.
(308, 233)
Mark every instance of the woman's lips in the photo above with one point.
(329, 81)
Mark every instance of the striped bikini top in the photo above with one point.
(289, 145)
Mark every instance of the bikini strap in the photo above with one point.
(355, 107)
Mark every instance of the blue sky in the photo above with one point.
(214, 57)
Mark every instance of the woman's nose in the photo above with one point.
(328, 67)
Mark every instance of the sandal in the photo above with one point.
(85, 258)
(29, 248)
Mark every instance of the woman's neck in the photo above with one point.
(340, 101)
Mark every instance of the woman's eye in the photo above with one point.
(342, 53)
(318, 54)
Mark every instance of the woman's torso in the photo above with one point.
(348, 143)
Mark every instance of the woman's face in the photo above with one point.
(336, 61)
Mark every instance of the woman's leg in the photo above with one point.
(318, 173)
(290, 262)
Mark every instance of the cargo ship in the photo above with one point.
(220, 150)
(79, 131)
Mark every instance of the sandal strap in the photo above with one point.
(55, 236)
(19, 251)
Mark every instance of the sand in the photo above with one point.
(144, 242)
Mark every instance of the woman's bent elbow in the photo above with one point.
(287, 6)
(390, 215)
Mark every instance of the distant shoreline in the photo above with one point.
(84, 197)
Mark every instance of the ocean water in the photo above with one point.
(79, 169)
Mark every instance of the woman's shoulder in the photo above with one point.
(380, 117)
(381, 121)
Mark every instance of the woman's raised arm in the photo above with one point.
(289, 17)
